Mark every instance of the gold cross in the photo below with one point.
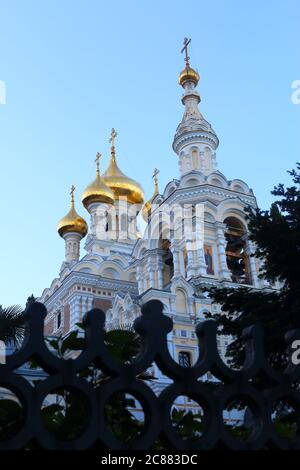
(97, 161)
(186, 42)
(72, 193)
(154, 176)
(113, 136)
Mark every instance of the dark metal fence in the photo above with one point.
(153, 327)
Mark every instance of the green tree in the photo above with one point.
(11, 325)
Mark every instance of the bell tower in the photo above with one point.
(195, 141)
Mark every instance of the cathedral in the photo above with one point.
(122, 267)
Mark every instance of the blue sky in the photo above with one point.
(75, 69)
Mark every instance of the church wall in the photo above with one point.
(66, 318)
(102, 304)
(49, 327)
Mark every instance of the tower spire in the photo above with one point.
(195, 141)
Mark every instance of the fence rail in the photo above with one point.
(153, 327)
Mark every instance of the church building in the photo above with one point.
(122, 268)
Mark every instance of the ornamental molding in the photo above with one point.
(92, 280)
(187, 137)
(225, 194)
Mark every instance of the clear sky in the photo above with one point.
(75, 69)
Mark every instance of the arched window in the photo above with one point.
(208, 256)
(195, 159)
(184, 359)
(58, 320)
(111, 273)
(185, 260)
(180, 301)
(167, 259)
(107, 222)
(237, 259)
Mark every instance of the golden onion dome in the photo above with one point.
(147, 207)
(97, 191)
(121, 185)
(188, 74)
(72, 222)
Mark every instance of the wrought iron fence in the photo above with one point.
(153, 327)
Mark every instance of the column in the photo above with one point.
(253, 273)
(176, 261)
(224, 272)
(190, 258)
(139, 278)
(89, 303)
(202, 162)
(201, 261)
(190, 306)
(160, 277)
(74, 312)
(151, 272)
(84, 305)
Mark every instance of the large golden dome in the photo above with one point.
(97, 191)
(188, 74)
(122, 185)
(72, 222)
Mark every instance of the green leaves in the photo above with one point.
(72, 343)
(187, 424)
(123, 345)
(12, 325)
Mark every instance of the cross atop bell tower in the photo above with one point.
(186, 42)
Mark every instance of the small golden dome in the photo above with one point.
(188, 74)
(97, 191)
(122, 185)
(147, 207)
(72, 222)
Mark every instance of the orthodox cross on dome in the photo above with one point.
(72, 194)
(113, 136)
(97, 161)
(186, 42)
(112, 139)
(154, 176)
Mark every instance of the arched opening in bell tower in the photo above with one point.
(236, 256)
